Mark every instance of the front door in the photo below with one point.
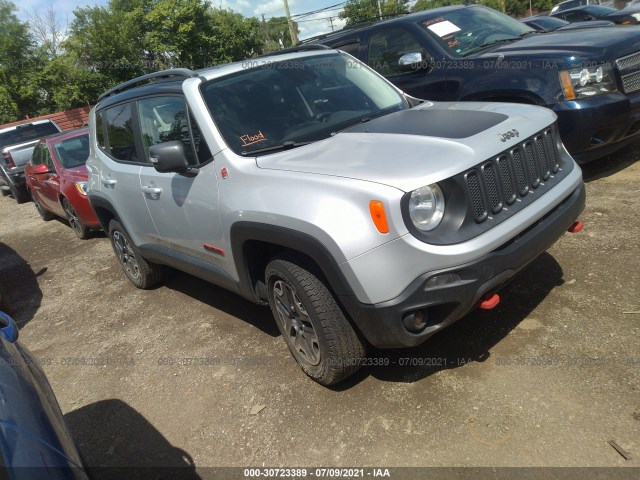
(184, 207)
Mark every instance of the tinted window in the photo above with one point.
(100, 130)
(27, 133)
(303, 100)
(36, 156)
(120, 133)
(386, 48)
(73, 151)
(350, 48)
(47, 160)
(164, 119)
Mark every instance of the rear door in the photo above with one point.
(121, 160)
(184, 207)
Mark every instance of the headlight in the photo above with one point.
(636, 16)
(586, 82)
(82, 188)
(426, 207)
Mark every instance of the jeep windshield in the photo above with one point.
(271, 106)
(464, 31)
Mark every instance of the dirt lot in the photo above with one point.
(188, 373)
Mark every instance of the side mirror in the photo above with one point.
(169, 157)
(414, 61)
(41, 169)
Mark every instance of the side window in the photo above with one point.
(350, 48)
(100, 131)
(120, 133)
(36, 156)
(46, 158)
(386, 48)
(166, 119)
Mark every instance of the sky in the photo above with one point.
(309, 25)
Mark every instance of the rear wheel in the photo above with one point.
(45, 214)
(80, 229)
(320, 337)
(141, 273)
(19, 193)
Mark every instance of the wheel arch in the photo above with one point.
(255, 244)
(104, 210)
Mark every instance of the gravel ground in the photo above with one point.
(545, 379)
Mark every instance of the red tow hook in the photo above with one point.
(576, 226)
(489, 301)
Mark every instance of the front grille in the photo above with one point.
(631, 82)
(629, 62)
(526, 167)
(629, 67)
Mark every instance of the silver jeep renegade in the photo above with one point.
(308, 182)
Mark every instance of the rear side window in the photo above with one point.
(27, 133)
(120, 137)
(350, 48)
(100, 131)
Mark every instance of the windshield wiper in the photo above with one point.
(273, 148)
(491, 43)
(361, 120)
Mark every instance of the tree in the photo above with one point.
(16, 50)
(46, 30)
(356, 11)
(234, 37)
(276, 34)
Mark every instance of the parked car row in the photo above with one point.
(471, 52)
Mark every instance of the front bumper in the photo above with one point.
(382, 323)
(594, 127)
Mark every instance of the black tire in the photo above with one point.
(141, 273)
(329, 349)
(19, 193)
(80, 229)
(45, 214)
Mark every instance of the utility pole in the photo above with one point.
(292, 30)
(264, 30)
(379, 10)
(331, 20)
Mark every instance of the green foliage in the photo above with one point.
(276, 33)
(356, 11)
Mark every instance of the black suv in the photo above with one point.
(591, 81)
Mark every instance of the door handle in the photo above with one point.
(151, 190)
(107, 182)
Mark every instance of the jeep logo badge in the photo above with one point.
(507, 135)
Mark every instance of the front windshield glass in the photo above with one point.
(73, 152)
(272, 104)
(465, 30)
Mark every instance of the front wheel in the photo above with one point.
(45, 214)
(320, 337)
(79, 228)
(141, 273)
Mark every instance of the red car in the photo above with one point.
(57, 180)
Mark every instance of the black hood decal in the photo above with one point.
(432, 123)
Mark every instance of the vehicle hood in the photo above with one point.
(415, 147)
(572, 46)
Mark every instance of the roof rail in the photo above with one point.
(297, 48)
(162, 75)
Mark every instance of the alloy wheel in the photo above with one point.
(125, 254)
(296, 323)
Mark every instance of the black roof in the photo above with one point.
(408, 18)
